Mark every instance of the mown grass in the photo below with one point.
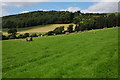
(26, 28)
(0, 59)
(39, 28)
(78, 55)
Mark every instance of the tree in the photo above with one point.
(12, 37)
(50, 33)
(12, 31)
(34, 35)
(26, 35)
(4, 37)
(70, 28)
(20, 36)
(88, 20)
(37, 18)
(59, 30)
(77, 28)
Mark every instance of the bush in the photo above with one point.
(65, 31)
(20, 36)
(4, 37)
(77, 28)
(39, 34)
(34, 35)
(83, 28)
(50, 33)
(12, 36)
(12, 31)
(26, 35)
(70, 28)
(59, 30)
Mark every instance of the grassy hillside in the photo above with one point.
(0, 59)
(37, 29)
(90, 54)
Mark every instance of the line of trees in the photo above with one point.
(13, 35)
(93, 21)
(61, 30)
(85, 20)
(37, 18)
(57, 31)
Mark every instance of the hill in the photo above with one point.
(85, 20)
(37, 29)
(92, 54)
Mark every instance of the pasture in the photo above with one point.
(0, 59)
(92, 54)
(37, 29)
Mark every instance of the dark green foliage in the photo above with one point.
(20, 36)
(59, 30)
(34, 35)
(50, 33)
(65, 31)
(70, 28)
(90, 21)
(37, 18)
(26, 35)
(12, 36)
(87, 20)
(77, 28)
(7, 23)
(118, 20)
(4, 37)
(39, 34)
(12, 31)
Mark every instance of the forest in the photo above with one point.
(82, 20)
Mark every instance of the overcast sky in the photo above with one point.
(10, 7)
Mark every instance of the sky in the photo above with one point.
(11, 7)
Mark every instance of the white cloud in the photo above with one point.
(109, 1)
(4, 5)
(59, 0)
(2, 9)
(74, 0)
(24, 0)
(3, 12)
(36, 10)
(17, 4)
(104, 6)
(24, 12)
(99, 7)
(42, 10)
(71, 9)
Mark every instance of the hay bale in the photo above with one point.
(29, 39)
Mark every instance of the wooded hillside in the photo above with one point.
(87, 21)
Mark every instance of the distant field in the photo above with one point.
(92, 54)
(38, 29)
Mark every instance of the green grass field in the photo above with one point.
(78, 55)
(27, 28)
(38, 29)
(0, 59)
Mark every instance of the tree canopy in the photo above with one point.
(84, 21)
